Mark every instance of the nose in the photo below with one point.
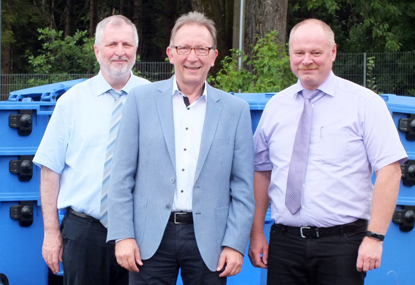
(119, 49)
(307, 60)
(192, 55)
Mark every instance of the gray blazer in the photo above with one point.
(143, 180)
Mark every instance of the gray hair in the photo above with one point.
(329, 32)
(115, 20)
(195, 18)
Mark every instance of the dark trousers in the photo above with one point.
(87, 258)
(178, 249)
(329, 260)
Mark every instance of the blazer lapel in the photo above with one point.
(165, 112)
(213, 111)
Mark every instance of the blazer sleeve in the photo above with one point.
(123, 172)
(241, 212)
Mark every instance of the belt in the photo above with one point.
(81, 215)
(181, 218)
(315, 232)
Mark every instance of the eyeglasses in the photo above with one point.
(198, 50)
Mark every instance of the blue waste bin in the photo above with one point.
(398, 247)
(23, 120)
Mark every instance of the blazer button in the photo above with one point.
(172, 180)
(168, 207)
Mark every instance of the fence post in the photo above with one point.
(364, 69)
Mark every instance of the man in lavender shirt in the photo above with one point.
(329, 239)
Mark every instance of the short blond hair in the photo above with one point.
(194, 18)
(329, 32)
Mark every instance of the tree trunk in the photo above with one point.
(263, 16)
(221, 12)
(93, 17)
(70, 18)
(125, 8)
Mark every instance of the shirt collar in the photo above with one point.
(103, 86)
(327, 87)
(176, 88)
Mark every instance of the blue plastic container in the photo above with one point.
(398, 247)
(23, 120)
(257, 102)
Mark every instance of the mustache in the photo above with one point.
(119, 58)
(305, 67)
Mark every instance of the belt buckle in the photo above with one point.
(175, 220)
(301, 231)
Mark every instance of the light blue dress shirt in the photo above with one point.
(352, 135)
(75, 141)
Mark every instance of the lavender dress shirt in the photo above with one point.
(352, 136)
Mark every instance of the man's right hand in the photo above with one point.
(52, 250)
(128, 254)
(258, 250)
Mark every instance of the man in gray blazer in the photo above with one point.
(181, 193)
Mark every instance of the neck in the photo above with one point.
(116, 83)
(191, 92)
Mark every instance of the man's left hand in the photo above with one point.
(233, 260)
(370, 254)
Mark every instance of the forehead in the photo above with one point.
(311, 35)
(193, 34)
(118, 32)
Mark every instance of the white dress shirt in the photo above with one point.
(188, 128)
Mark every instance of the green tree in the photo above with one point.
(63, 55)
(265, 69)
(362, 26)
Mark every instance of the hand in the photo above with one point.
(233, 260)
(52, 250)
(258, 246)
(128, 255)
(370, 254)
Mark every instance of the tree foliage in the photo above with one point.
(359, 26)
(265, 69)
(59, 54)
(362, 26)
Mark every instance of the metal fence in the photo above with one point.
(153, 71)
(392, 73)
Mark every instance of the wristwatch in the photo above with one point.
(375, 235)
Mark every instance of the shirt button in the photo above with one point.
(303, 206)
(183, 169)
(184, 149)
(181, 191)
(187, 128)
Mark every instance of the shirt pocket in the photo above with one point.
(333, 145)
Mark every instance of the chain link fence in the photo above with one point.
(392, 73)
